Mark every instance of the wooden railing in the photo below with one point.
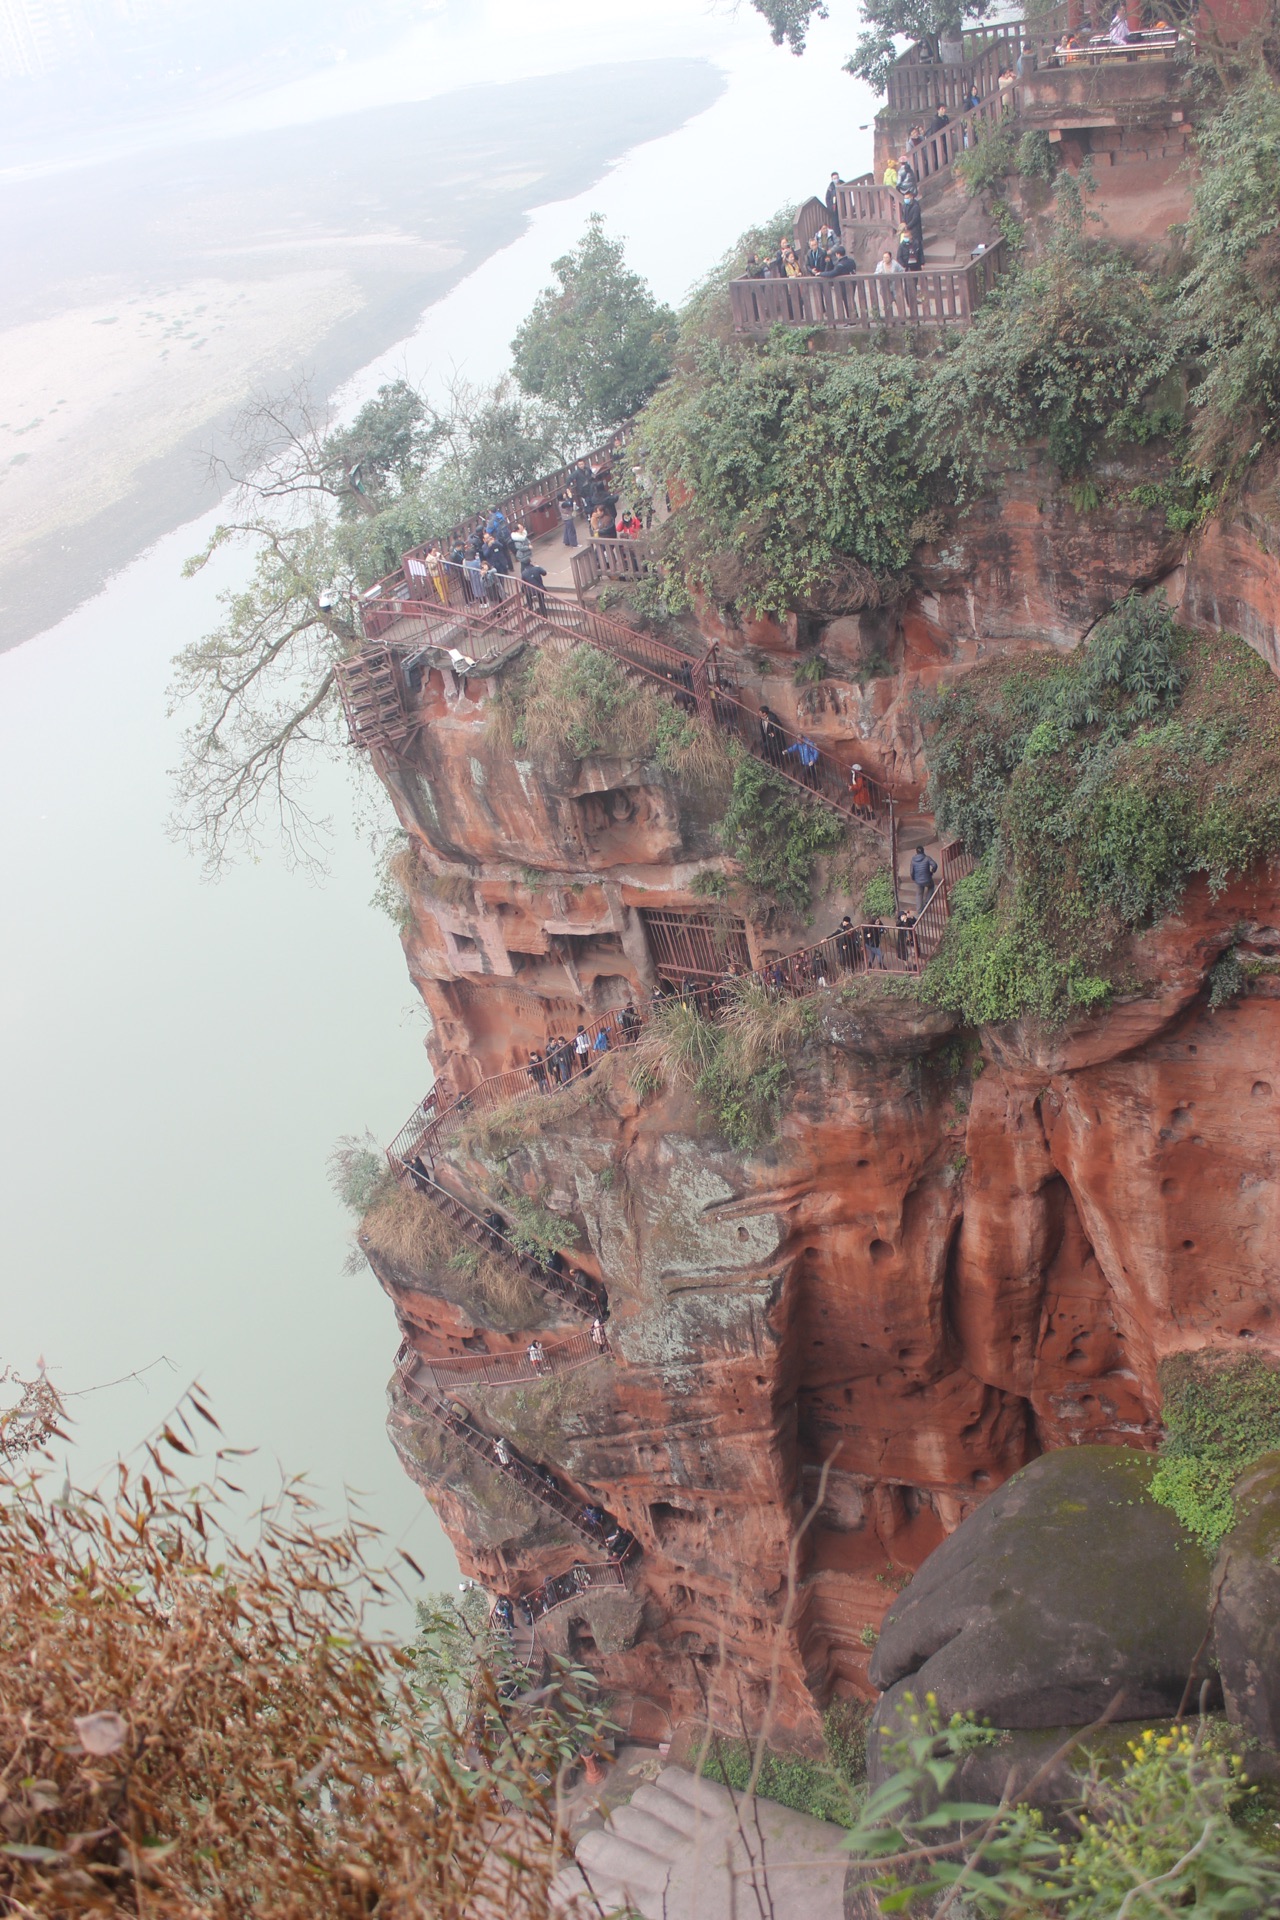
(920, 85)
(932, 297)
(609, 560)
(516, 506)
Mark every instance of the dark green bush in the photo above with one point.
(1092, 788)
(775, 835)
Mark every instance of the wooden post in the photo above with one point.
(893, 855)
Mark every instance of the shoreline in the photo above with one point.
(281, 294)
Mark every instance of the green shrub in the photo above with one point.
(1075, 348)
(358, 1171)
(1220, 1415)
(988, 162)
(802, 478)
(1034, 158)
(877, 897)
(776, 836)
(1092, 789)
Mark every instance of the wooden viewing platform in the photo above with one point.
(511, 1369)
(863, 302)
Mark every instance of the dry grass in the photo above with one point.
(409, 1232)
(759, 1029)
(190, 1730)
(676, 1048)
(505, 1128)
(584, 703)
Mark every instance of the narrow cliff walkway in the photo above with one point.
(409, 629)
(410, 1154)
(870, 948)
(590, 1522)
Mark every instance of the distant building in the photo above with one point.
(44, 36)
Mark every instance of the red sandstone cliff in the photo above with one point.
(954, 1256)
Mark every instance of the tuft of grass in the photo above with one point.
(409, 1233)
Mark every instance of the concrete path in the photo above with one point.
(684, 1848)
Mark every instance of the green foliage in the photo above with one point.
(391, 893)
(789, 19)
(358, 1171)
(877, 897)
(1092, 789)
(1157, 1836)
(1034, 158)
(533, 1228)
(1219, 1417)
(987, 163)
(810, 670)
(826, 1789)
(746, 1105)
(1229, 300)
(1188, 497)
(1227, 979)
(711, 884)
(802, 475)
(1075, 348)
(597, 344)
(776, 837)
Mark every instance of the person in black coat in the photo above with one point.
(838, 265)
(833, 201)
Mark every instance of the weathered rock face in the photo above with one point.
(1246, 1613)
(1069, 1589)
(958, 1255)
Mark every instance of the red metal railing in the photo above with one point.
(542, 1487)
(608, 1576)
(868, 947)
(415, 1147)
(511, 1369)
(548, 619)
(553, 1278)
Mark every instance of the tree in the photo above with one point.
(327, 511)
(598, 344)
(924, 22)
(789, 19)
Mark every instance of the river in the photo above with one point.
(179, 1057)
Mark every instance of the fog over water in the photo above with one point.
(178, 1058)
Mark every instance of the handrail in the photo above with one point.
(864, 302)
(534, 1605)
(517, 504)
(512, 1369)
(869, 947)
(492, 1092)
(459, 1423)
(568, 1285)
(542, 615)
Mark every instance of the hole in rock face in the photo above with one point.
(1261, 1089)
(742, 1233)
(880, 1252)
(1168, 1186)
(862, 1163)
(1246, 1333)
(1179, 1115)
(1188, 1246)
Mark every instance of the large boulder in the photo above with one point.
(1067, 1588)
(1247, 1611)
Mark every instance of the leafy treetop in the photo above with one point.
(597, 344)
